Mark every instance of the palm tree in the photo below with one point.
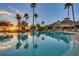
(67, 5)
(18, 17)
(43, 27)
(38, 26)
(73, 17)
(26, 16)
(36, 16)
(24, 25)
(42, 22)
(33, 5)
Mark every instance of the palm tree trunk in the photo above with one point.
(26, 25)
(33, 44)
(19, 25)
(68, 12)
(33, 19)
(73, 17)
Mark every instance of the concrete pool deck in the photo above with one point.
(74, 45)
(75, 36)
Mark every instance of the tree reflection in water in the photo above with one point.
(18, 43)
(27, 44)
(22, 37)
(5, 37)
(23, 40)
(43, 38)
(34, 34)
(57, 35)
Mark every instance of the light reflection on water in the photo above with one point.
(35, 43)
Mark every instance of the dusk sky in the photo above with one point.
(48, 12)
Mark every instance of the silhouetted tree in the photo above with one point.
(36, 16)
(67, 5)
(24, 25)
(18, 17)
(26, 17)
(33, 5)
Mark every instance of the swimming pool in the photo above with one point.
(37, 44)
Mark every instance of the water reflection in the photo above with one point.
(26, 45)
(22, 37)
(59, 36)
(5, 37)
(25, 37)
(18, 43)
(23, 40)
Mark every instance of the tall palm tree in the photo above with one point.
(73, 17)
(67, 5)
(18, 17)
(36, 16)
(33, 5)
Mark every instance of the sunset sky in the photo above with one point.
(48, 12)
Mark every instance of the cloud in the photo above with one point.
(16, 10)
(5, 12)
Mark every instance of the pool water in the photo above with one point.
(37, 44)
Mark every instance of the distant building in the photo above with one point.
(65, 24)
